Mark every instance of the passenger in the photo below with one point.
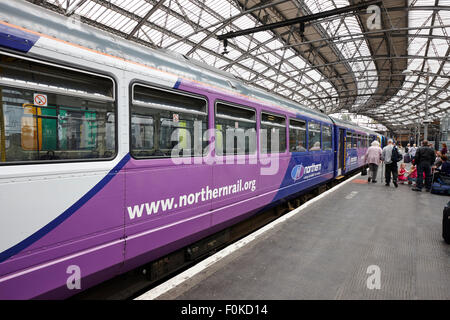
(402, 173)
(300, 148)
(408, 146)
(444, 149)
(437, 162)
(412, 151)
(412, 175)
(445, 165)
(373, 158)
(316, 146)
(390, 166)
(423, 160)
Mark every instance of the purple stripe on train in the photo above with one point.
(16, 39)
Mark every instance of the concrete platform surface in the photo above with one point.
(344, 246)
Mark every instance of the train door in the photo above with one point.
(341, 152)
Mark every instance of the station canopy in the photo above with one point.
(390, 70)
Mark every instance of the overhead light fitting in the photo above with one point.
(225, 45)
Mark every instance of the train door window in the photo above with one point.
(326, 137)
(235, 130)
(297, 135)
(314, 141)
(358, 142)
(272, 133)
(349, 140)
(52, 113)
(167, 124)
(354, 140)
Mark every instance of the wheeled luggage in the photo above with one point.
(440, 184)
(446, 223)
(406, 158)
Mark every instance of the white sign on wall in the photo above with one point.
(40, 100)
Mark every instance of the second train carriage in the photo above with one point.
(91, 176)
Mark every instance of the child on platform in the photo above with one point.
(412, 175)
(402, 173)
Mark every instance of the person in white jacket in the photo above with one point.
(412, 151)
(373, 158)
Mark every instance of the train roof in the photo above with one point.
(352, 125)
(44, 21)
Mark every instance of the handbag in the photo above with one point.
(364, 171)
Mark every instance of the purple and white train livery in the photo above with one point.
(107, 158)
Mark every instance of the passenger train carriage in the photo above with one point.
(91, 176)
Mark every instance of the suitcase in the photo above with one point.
(441, 184)
(446, 224)
(406, 158)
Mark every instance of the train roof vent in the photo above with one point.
(231, 84)
(174, 54)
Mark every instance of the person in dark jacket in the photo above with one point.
(444, 149)
(444, 166)
(390, 164)
(424, 159)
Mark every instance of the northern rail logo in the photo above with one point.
(299, 171)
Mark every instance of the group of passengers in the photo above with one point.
(425, 161)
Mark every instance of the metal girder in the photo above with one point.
(303, 19)
(268, 66)
(146, 17)
(75, 8)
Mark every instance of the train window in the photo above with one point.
(235, 130)
(359, 142)
(297, 135)
(51, 113)
(314, 142)
(354, 140)
(326, 137)
(349, 140)
(167, 124)
(272, 133)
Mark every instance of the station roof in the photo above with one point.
(337, 64)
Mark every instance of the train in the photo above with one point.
(113, 154)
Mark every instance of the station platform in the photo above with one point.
(327, 250)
